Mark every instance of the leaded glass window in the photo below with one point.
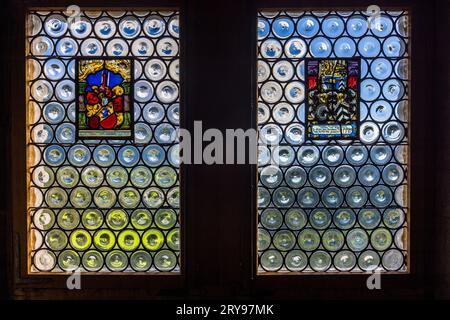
(333, 149)
(103, 115)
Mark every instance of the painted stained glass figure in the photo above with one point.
(104, 98)
(332, 98)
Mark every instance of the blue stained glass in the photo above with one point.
(283, 27)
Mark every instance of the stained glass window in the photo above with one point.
(332, 104)
(333, 147)
(103, 116)
(104, 98)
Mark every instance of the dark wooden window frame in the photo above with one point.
(218, 59)
(413, 282)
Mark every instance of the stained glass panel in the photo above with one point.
(104, 89)
(333, 100)
(103, 162)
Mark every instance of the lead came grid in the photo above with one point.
(330, 205)
(110, 204)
